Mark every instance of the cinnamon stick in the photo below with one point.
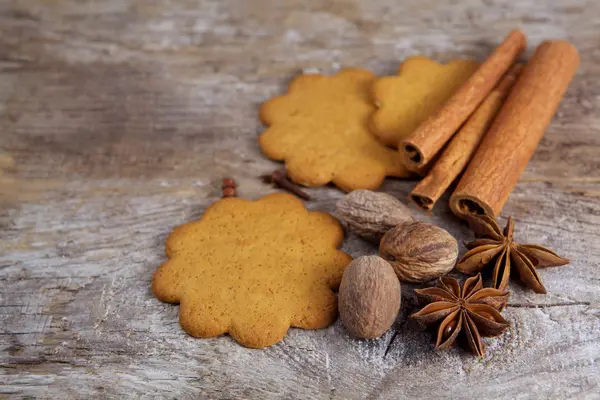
(462, 146)
(516, 131)
(431, 136)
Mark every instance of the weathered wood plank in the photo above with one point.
(121, 118)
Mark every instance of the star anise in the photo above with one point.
(497, 247)
(472, 312)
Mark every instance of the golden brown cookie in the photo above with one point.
(417, 91)
(253, 269)
(320, 129)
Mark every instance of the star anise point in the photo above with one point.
(472, 312)
(497, 247)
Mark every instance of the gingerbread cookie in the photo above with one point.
(320, 129)
(253, 269)
(417, 91)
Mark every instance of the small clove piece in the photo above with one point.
(229, 188)
(280, 180)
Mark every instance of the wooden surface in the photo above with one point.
(118, 120)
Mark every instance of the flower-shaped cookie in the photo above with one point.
(416, 92)
(253, 269)
(320, 128)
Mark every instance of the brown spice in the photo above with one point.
(472, 312)
(279, 179)
(419, 251)
(516, 131)
(431, 136)
(497, 248)
(229, 188)
(371, 214)
(369, 297)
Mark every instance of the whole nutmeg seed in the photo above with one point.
(371, 214)
(369, 297)
(419, 251)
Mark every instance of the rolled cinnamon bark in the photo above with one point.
(461, 148)
(516, 131)
(431, 136)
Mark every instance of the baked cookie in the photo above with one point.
(320, 129)
(421, 87)
(253, 269)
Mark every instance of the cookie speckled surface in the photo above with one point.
(253, 269)
(421, 86)
(320, 129)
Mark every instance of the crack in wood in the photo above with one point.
(396, 331)
(14, 362)
(523, 305)
(555, 226)
(389, 345)
(557, 179)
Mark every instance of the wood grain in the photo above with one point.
(119, 120)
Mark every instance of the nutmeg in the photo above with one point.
(371, 214)
(419, 251)
(369, 297)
